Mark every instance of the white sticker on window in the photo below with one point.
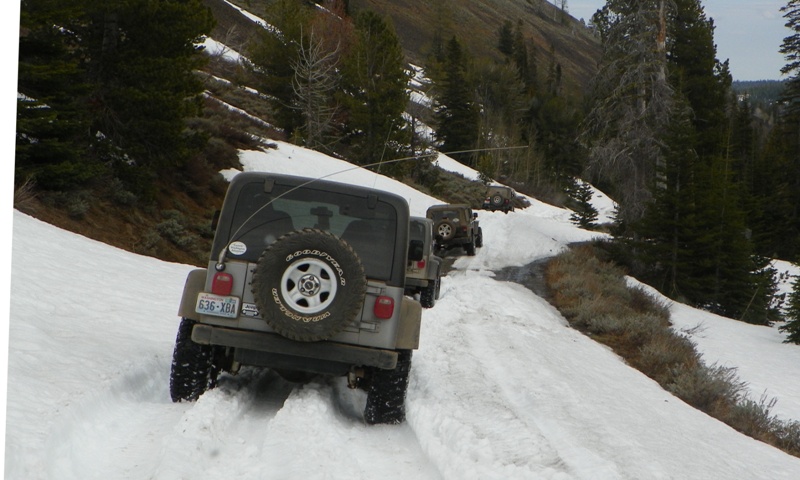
(237, 248)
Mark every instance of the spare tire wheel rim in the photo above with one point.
(445, 230)
(308, 285)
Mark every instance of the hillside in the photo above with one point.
(235, 113)
(477, 25)
(763, 92)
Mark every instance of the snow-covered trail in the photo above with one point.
(500, 388)
(528, 397)
(90, 350)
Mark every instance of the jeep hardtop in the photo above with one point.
(455, 225)
(499, 197)
(305, 277)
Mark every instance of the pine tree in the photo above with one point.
(273, 56)
(521, 58)
(143, 63)
(584, 214)
(669, 229)
(792, 325)
(726, 252)
(375, 80)
(505, 42)
(782, 197)
(456, 111)
(777, 223)
(52, 119)
(727, 278)
(631, 102)
(117, 80)
(697, 73)
(688, 194)
(790, 49)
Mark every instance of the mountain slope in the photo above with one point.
(477, 23)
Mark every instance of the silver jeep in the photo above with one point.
(305, 277)
(423, 275)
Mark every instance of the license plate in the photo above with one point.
(217, 305)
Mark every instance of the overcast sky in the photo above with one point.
(748, 32)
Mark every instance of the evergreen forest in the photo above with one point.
(124, 120)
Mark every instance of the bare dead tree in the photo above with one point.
(633, 102)
(315, 80)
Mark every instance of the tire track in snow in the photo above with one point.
(254, 425)
(107, 433)
(216, 434)
(132, 430)
(456, 373)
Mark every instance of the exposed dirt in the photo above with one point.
(530, 276)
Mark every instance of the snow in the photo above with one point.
(255, 19)
(218, 49)
(500, 388)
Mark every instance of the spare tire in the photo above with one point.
(309, 285)
(445, 229)
(497, 199)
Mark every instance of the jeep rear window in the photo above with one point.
(416, 231)
(438, 215)
(261, 217)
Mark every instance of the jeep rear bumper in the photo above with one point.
(271, 350)
(417, 282)
(455, 242)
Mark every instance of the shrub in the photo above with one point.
(707, 388)
(77, 207)
(594, 297)
(173, 229)
(25, 195)
(665, 353)
(150, 240)
(121, 195)
(753, 417)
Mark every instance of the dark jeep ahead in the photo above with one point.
(423, 276)
(455, 226)
(305, 277)
(499, 197)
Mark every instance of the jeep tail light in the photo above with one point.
(222, 284)
(421, 264)
(384, 307)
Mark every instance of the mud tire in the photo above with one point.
(386, 397)
(429, 294)
(193, 368)
(469, 248)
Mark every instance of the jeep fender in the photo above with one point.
(195, 283)
(434, 267)
(409, 327)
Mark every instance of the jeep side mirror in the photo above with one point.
(475, 215)
(415, 250)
